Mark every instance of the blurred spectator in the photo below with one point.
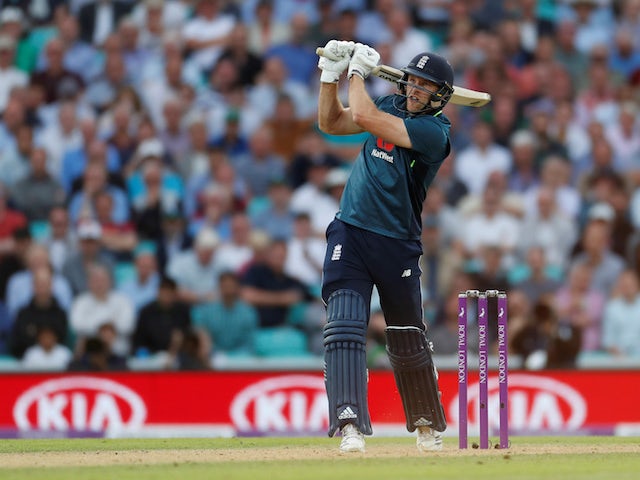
(196, 270)
(94, 181)
(192, 353)
(621, 318)
(20, 286)
(103, 91)
(40, 310)
(36, 194)
(287, 131)
(546, 341)
(405, 38)
(13, 118)
(566, 52)
(316, 168)
(328, 204)
(207, 33)
(14, 260)
(174, 13)
(143, 287)
(217, 208)
(90, 251)
(605, 265)
(96, 353)
(172, 236)
(261, 164)
(10, 221)
(276, 296)
(276, 217)
(310, 151)
(59, 240)
(47, 353)
(101, 305)
(249, 64)
(61, 136)
(444, 334)
(524, 173)
(299, 58)
(624, 137)
(541, 278)
(99, 18)
(195, 158)
(266, 31)
(236, 252)
(14, 161)
(230, 322)
(483, 156)
(597, 100)
(160, 320)
(569, 133)
(121, 135)
(10, 76)
(579, 305)
(305, 254)
(550, 229)
(172, 133)
(55, 77)
(448, 182)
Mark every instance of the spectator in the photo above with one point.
(444, 334)
(42, 310)
(60, 240)
(10, 221)
(266, 31)
(37, 194)
(579, 305)
(11, 76)
(103, 91)
(20, 287)
(90, 251)
(161, 320)
(14, 160)
(276, 217)
(173, 236)
(229, 321)
(405, 38)
(61, 136)
(261, 165)
(47, 353)
(196, 270)
(143, 287)
(98, 19)
(55, 76)
(247, 62)
(276, 296)
(605, 265)
(217, 208)
(192, 352)
(287, 131)
(237, 252)
(305, 254)
(97, 354)
(101, 305)
(621, 318)
(541, 279)
(483, 156)
(15, 260)
(311, 151)
(207, 33)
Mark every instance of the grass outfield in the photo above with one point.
(567, 458)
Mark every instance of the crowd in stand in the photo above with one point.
(164, 188)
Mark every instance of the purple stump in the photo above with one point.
(462, 370)
(503, 370)
(483, 355)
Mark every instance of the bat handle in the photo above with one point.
(320, 51)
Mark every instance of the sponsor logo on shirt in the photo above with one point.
(383, 155)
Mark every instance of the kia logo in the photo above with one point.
(535, 403)
(282, 404)
(79, 403)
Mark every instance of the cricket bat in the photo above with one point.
(461, 96)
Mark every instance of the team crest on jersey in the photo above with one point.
(423, 61)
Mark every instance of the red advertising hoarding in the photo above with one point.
(294, 403)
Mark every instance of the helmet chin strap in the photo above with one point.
(429, 106)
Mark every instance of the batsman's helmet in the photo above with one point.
(436, 69)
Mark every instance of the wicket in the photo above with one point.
(483, 367)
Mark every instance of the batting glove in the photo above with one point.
(363, 60)
(335, 60)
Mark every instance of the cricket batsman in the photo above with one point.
(375, 237)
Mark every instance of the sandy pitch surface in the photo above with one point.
(178, 456)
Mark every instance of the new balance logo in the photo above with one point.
(422, 422)
(406, 273)
(347, 413)
(337, 252)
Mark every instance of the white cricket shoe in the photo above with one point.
(428, 440)
(352, 439)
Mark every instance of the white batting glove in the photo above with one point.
(363, 60)
(335, 60)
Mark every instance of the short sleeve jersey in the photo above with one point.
(388, 183)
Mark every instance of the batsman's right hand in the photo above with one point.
(335, 60)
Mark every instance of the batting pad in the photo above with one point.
(416, 377)
(345, 363)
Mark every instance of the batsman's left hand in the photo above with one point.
(335, 60)
(363, 60)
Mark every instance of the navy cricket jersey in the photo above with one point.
(388, 184)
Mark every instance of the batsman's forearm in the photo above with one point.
(329, 107)
(362, 107)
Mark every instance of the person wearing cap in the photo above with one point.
(90, 251)
(10, 76)
(196, 270)
(12, 23)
